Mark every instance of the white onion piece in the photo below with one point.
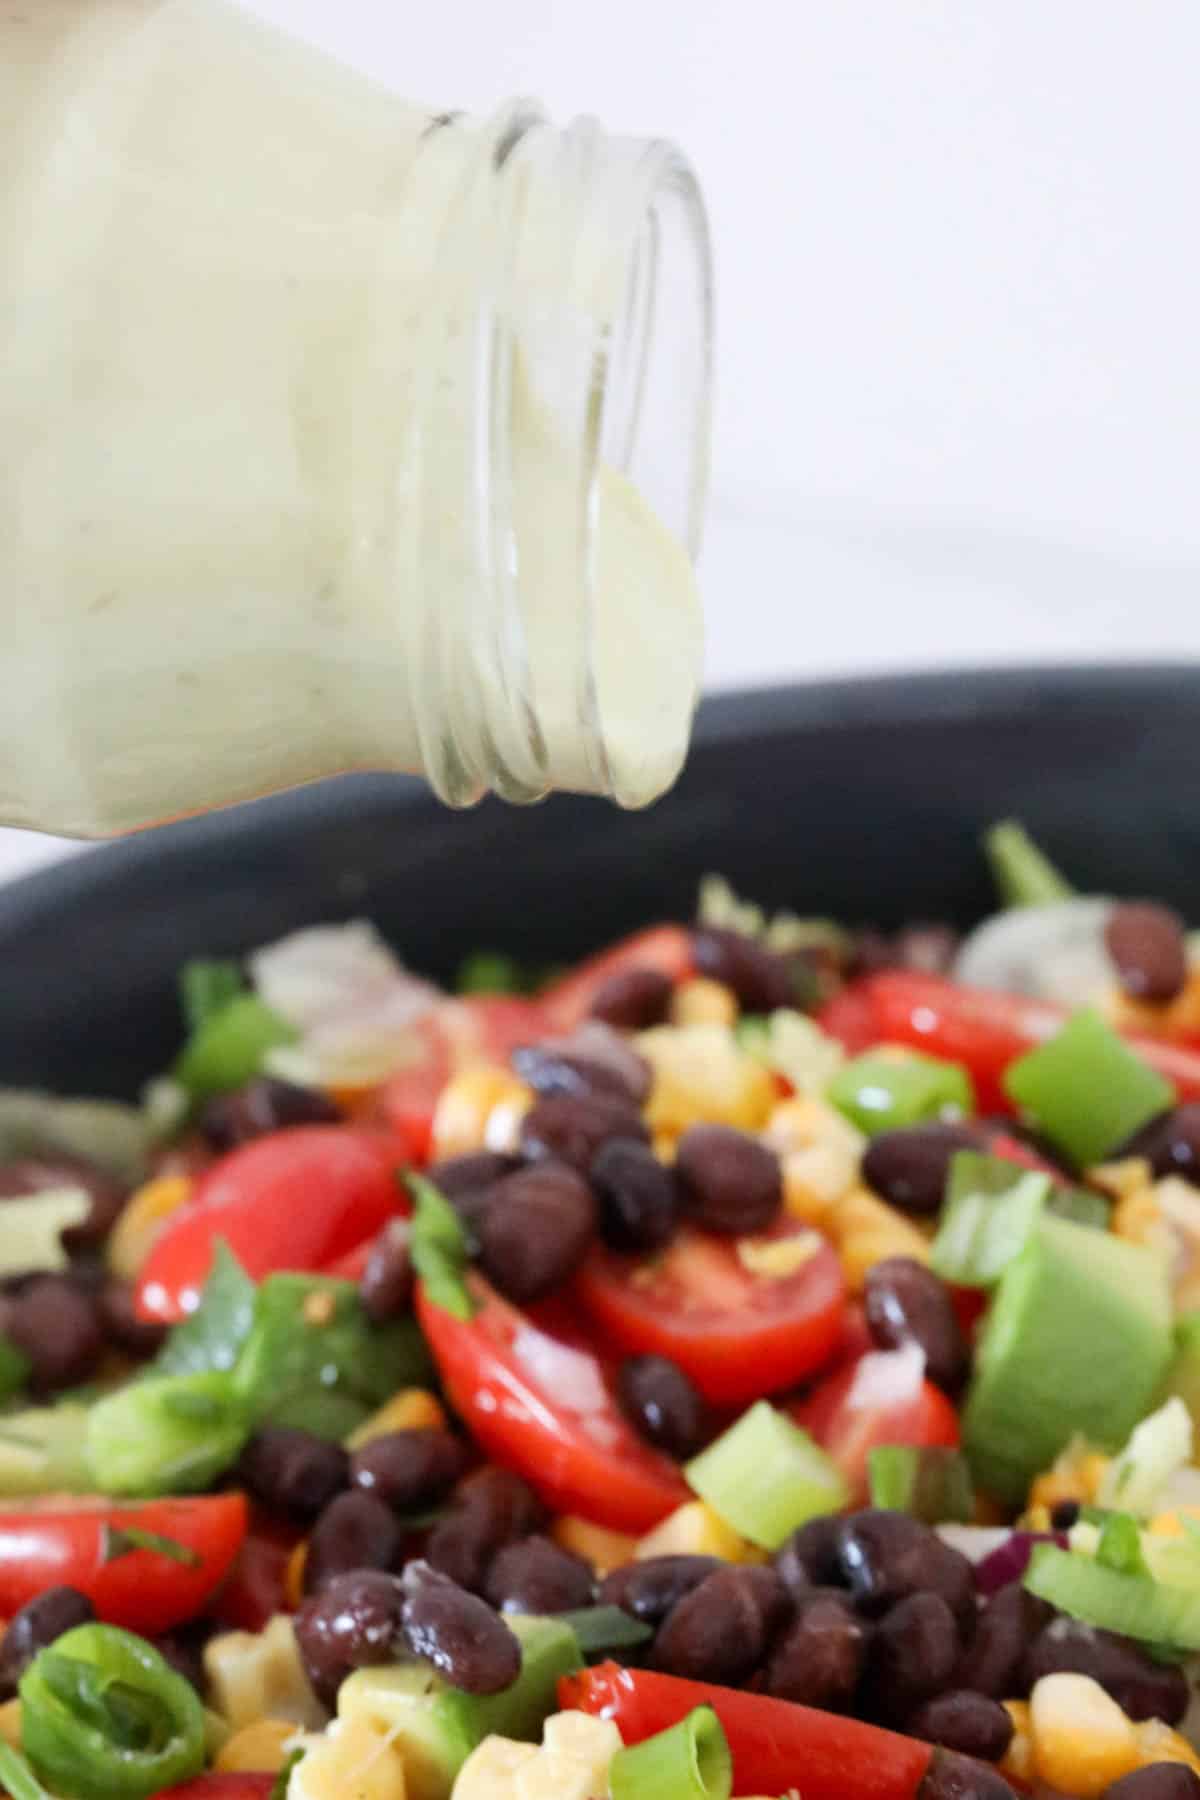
(572, 1376)
(975, 1541)
(1052, 952)
(887, 1378)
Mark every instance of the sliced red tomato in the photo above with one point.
(256, 1586)
(71, 1542)
(406, 1101)
(242, 1786)
(535, 1393)
(665, 948)
(739, 1331)
(849, 1431)
(986, 1031)
(850, 1018)
(298, 1199)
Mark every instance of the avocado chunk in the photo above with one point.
(1077, 1341)
(437, 1726)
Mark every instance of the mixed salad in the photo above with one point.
(761, 1361)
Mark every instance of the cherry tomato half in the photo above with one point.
(256, 1586)
(849, 1432)
(73, 1543)
(226, 1786)
(739, 1331)
(534, 1392)
(666, 948)
(298, 1199)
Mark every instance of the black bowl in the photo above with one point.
(860, 799)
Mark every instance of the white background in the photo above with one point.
(959, 293)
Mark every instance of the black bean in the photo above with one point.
(633, 999)
(537, 1230)
(1141, 1687)
(469, 1183)
(387, 1281)
(572, 1127)
(761, 980)
(1064, 1515)
(969, 1723)
(262, 1106)
(38, 1623)
(184, 1651)
(728, 1181)
(812, 1555)
(1157, 1781)
(409, 1470)
(994, 1660)
(354, 1622)
(648, 1590)
(355, 1531)
(818, 1660)
(535, 1575)
(293, 1471)
(906, 1303)
(639, 1200)
(926, 948)
(594, 1059)
(57, 1326)
(913, 1654)
(910, 1166)
(720, 1631)
(954, 1777)
(491, 1508)
(659, 1400)
(1148, 944)
(886, 1557)
(37, 1174)
(121, 1323)
(461, 1635)
(1170, 1143)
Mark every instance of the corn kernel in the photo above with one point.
(773, 1258)
(260, 1748)
(703, 1076)
(467, 1103)
(140, 1222)
(703, 1002)
(1075, 1475)
(1132, 1175)
(1138, 1218)
(1170, 1524)
(293, 1577)
(1082, 1741)
(259, 1675)
(1175, 1018)
(412, 1409)
(10, 1723)
(859, 1251)
(694, 1529)
(1018, 1758)
(604, 1549)
(354, 1760)
(1157, 1743)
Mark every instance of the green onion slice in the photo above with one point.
(691, 1761)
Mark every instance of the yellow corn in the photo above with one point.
(1139, 1219)
(354, 1760)
(703, 1002)
(604, 1549)
(261, 1748)
(703, 1076)
(1082, 1741)
(293, 1577)
(476, 1109)
(412, 1409)
(1170, 1524)
(10, 1723)
(865, 1230)
(259, 1675)
(1018, 1758)
(819, 1154)
(694, 1529)
(1179, 1017)
(1076, 1475)
(1157, 1743)
(1131, 1175)
(141, 1220)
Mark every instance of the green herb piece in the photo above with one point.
(1023, 874)
(117, 1541)
(490, 972)
(879, 1092)
(14, 1369)
(933, 1485)
(228, 1049)
(206, 988)
(1120, 1546)
(17, 1778)
(764, 1476)
(172, 1434)
(43, 1451)
(992, 1208)
(690, 1761)
(599, 1630)
(279, 1788)
(1158, 1448)
(439, 1250)
(104, 1717)
(1133, 1605)
(1087, 1089)
(212, 1337)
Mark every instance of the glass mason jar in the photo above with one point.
(335, 433)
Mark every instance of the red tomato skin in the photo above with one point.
(222, 1786)
(850, 1018)
(256, 1587)
(777, 1746)
(624, 1485)
(849, 1435)
(733, 1356)
(298, 1199)
(62, 1543)
(666, 948)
